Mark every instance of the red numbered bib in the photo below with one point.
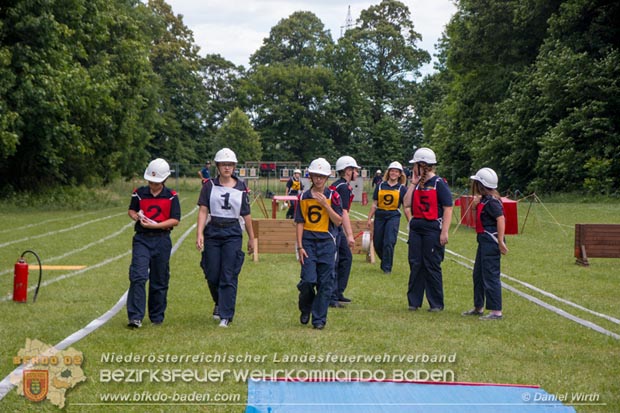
(424, 203)
(157, 209)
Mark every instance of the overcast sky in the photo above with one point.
(236, 28)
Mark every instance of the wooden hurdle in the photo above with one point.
(277, 236)
(596, 241)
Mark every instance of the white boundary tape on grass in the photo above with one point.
(548, 294)
(47, 234)
(550, 307)
(6, 386)
(71, 274)
(47, 221)
(83, 248)
(537, 301)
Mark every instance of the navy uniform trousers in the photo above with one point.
(425, 256)
(343, 264)
(317, 279)
(486, 274)
(385, 235)
(150, 262)
(222, 259)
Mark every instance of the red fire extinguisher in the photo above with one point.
(20, 279)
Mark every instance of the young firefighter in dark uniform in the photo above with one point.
(318, 216)
(293, 187)
(156, 210)
(205, 172)
(490, 230)
(387, 200)
(225, 199)
(377, 179)
(429, 201)
(348, 169)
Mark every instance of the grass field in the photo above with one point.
(532, 345)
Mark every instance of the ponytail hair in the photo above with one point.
(478, 189)
(425, 170)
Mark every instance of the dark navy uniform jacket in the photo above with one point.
(164, 206)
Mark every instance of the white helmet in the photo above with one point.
(378, 171)
(344, 162)
(424, 155)
(157, 171)
(320, 167)
(487, 177)
(297, 171)
(395, 165)
(225, 155)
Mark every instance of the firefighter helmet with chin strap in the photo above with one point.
(424, 155)
(320, 167)
(344, 162)
(225, 155)
(487, 177)
(157, 171)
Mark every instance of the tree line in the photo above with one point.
(91, 90)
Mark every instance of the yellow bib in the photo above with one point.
(316, 217)
(388, 199)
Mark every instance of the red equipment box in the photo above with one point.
(468, 214)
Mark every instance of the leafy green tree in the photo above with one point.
(237, 134)
(289, 90)
(39, 76)
(8, 118)
(387, 62)
(299, 39)
(290, 105)
(510, 143)
(220, 79)
(77, 109)
(387, 141)
(349, 105)
(385, 40)
(113, 46)
(183, 110)
(480, 69)
(557, 129)
(576, 77)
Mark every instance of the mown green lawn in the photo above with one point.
(532, 345)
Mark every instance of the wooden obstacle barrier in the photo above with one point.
(273, 236)
(596, 241)
(278, 236)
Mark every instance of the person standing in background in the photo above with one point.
(205, 172)
(490, 230)
(156, 210)
(377, 179)
(428, 208)
(293, 187)
(387, 200)
(348, 170)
